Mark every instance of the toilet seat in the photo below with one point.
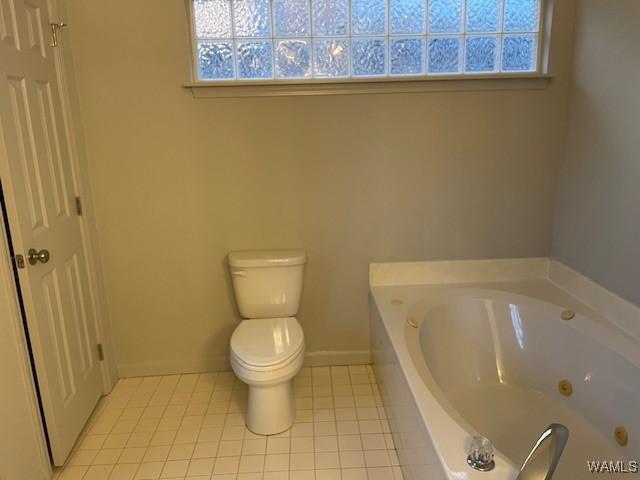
(267, 344)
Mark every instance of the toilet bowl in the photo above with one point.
(266, 355)
(267, 347)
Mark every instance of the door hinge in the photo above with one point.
(79, 206)
(55, 27)
(19, 259)
(100, 352)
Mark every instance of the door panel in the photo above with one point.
(52, 145)
(35, 156)
(8, 25)
(27, 153)
(85, 344)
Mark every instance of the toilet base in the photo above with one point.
(271, 408)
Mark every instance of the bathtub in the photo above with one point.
(455, 360)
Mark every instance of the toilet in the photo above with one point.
(267, 347)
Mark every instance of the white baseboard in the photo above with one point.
(617, 310)
(335, 358)
(221, 364)
(147, 369)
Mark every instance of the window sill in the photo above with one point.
(530, 81)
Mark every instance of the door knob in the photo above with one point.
(35, 256)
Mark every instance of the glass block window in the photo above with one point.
(284, 40)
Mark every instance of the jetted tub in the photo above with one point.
(458, 360)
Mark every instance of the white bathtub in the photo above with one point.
(487, 359)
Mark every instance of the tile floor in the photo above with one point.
(192, 427)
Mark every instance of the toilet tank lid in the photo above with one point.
(267, 258)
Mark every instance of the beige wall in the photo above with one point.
(179, 182)
(597, 228)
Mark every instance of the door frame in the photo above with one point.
(73, 131)
(10, 307)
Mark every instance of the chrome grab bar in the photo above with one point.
(539, 466)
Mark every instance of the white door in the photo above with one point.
(39, 184)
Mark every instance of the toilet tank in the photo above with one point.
(267, 283)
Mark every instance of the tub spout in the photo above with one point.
(541, 463)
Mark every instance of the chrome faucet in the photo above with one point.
(545, 455)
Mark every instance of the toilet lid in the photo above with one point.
(267, 341)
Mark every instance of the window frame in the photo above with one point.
(535, 79)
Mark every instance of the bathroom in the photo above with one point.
(169, 171)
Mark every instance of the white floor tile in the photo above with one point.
(302, 416)
(347, 427)
(276, 462)
(250, 476)
(301, 461)
(302, 444)
(354, 474)
(254, 446)
(195, 421)
(331, 474)
(188, 435)
(107, 456)
(153, 413)
(226, 465)
(373, 441)
(147, 425)
(327, 460)
(210, 434)
(230, 448)
(161, 437)
(201, 466)
(302, 430)
(324, 428)
(181, 452)
(73, 473)
(380, 473)
(205, 450)
(351, 459)
(157, 453)
(82, 457)
(278, 445)
(323, 402)
(302, 475)
(232, 432)
(98, 472)
(169, 423)
(175, 469)
(370, 426)
(283, 475)
(251, 464)
(140, 439)
(132, 455)
(327, 443)
(123, 472)
(376, 458)
(192, 427)
(149, 470)
(224, 476)
(349, 442)
(345, 414)
(91, 442)
(199, 408)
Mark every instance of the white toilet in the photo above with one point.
(267, 348)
